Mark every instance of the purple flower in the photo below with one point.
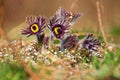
(92, 44)
(61, 21)
(35, 26)
(69, 42)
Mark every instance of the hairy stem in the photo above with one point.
(40, 38)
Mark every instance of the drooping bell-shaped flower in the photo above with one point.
(70, 42)
(92, 44)
(89, 43)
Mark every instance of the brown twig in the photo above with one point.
(100, 22)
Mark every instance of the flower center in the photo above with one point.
(57, 30)
(34, 28)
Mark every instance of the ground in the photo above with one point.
(21, 59)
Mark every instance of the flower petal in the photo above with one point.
(69, 42)
(35, 25)
(63, 18)
(92, 44)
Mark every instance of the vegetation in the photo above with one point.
(20, 60)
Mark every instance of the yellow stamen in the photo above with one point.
(56, 30)
(34, 28)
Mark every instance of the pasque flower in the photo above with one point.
(61, 22)
(36, 27)
(92, 44)
(69, 42)
(59, 25)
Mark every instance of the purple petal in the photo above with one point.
(74, 18)
(69, 42)
(92, 44)
(63, 18)
(40, 21)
